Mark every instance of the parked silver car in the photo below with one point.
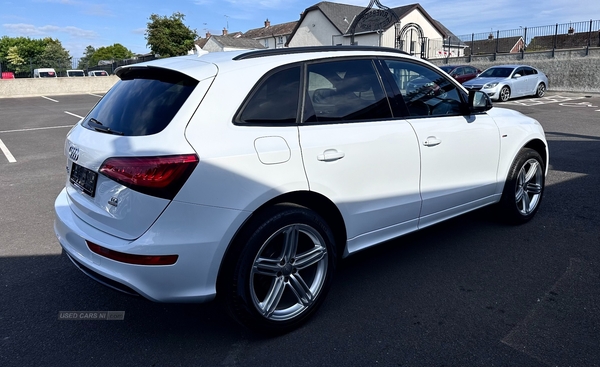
(508, 81)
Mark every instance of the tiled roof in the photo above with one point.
(237, 42)
(271, 31)
(564, 41)
(488, 46)
(200, 42)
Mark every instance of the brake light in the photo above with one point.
(130, 258)
(161, 176)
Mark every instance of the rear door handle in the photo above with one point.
(432, 141)
(330, 155)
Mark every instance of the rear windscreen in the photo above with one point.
(143, 102)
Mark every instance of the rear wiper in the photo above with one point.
(97, 125)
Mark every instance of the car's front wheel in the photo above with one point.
(504, 94)
(282, 270)
(524, 187)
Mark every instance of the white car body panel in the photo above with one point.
(462, 165)
(385, 152)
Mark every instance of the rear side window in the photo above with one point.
(143, 102)
(275, 100)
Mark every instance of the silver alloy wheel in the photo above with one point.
(529, 186)
(288, 272)
(504, 94)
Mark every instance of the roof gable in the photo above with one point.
(341, 16)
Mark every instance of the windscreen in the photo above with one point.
(497, 73)
(143, 102)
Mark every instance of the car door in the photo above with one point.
(459, 74)
(356, 154)
(531, 80)
(459, 151)
(519, 83)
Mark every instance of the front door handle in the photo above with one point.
(330, 155)
(432, 141)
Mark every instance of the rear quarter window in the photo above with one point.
(143, 102)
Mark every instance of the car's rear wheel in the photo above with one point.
(282, 270)
(524, 187)
(504, 94)
(541, 90)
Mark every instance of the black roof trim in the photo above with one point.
(309, 49)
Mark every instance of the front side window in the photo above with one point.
(341, 91)
(425, 92)
(274, 100)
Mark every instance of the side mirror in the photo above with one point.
(516, 76)
(479, 102)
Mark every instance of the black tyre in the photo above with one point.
(524, 187)
(281, 270)
(540, 90)
(504, 94)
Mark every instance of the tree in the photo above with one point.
(27, 48)
(110, 53)
(168, 36)
(15, 61)
(55, 56)
(84, 62)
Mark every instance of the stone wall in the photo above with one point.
(30, 87)
(567, 70)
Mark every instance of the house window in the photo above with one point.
(267, 43)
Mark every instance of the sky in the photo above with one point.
(79, 23)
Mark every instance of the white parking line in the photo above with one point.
(35, 129)
(540, 101)
(95, 95)
(72, 114)
(9, 156)
(50, 99)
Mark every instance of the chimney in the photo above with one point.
(267, 23)
(224, 31)
(208, 35)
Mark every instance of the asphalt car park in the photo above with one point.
(470, 291)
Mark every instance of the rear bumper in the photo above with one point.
(198, 234)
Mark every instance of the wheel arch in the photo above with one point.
(308, 199)
(539, 146)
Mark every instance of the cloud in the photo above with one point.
(30, 30)
(98, 10)
(139, 31)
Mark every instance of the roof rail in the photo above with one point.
(300, 50)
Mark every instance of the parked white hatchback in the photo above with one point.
(248, 174)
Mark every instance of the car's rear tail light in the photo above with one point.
(130, 258)
(161, 176)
